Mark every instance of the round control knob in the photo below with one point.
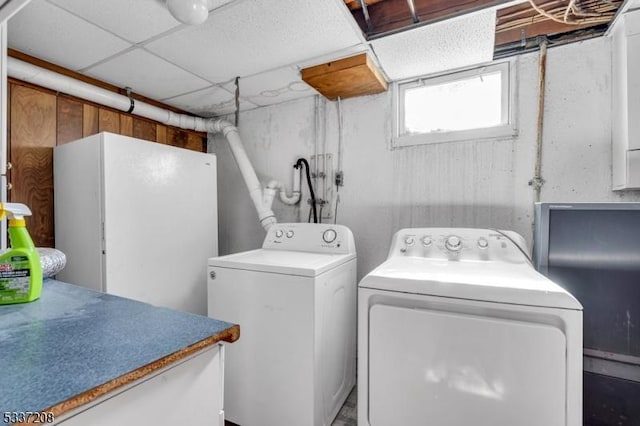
(427, 241)
(409, 241)
(453, 243)
(279, 233)
(289, 234)
(483, 243)
(329, 235)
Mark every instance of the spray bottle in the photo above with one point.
(20, 269)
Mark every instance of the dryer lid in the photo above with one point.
(488, 281)
(282, 262)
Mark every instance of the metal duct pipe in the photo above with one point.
(412, 8)
(537, 180)
(61, 83)
(365, 13)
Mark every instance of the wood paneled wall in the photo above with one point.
(40, 119)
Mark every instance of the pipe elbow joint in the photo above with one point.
(222, 126)
(290, 200)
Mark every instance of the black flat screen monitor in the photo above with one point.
(593, 251)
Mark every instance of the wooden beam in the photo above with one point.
(393, 15)
(513, 21)
(355, 4)
(546, 27)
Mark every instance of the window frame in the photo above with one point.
(506, 130)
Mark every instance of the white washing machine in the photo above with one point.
(456, 328)
(295, 301)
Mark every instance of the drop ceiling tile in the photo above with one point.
(273, 87)
(45, 31)
(147, 74)
(213, 101)
(445, 45)
(252, 36)
(631, 4)
(135, 21)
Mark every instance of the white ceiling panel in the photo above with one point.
(441, 46)
(147, 74)
(43, 30)
(264, 42)
(209, 102)
(273, 87)
(344, 53)
(252, 36)
(136, 20)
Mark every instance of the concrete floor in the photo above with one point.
(347, 416)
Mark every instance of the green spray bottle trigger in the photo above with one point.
(20, 268)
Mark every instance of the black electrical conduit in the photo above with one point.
(299, 164)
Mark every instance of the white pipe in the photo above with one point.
(295, 196)
(61, 83)
(274, 186)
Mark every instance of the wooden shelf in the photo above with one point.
(346, 78)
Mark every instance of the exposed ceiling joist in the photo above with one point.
(523, 21)
(517, 23)
(388, 16)
(355, 4)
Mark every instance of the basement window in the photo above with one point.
(466, 105)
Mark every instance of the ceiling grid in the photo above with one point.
(140, 45)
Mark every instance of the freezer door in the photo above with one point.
(160, 222)
(451, 369)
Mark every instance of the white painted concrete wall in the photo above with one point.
(465, 184)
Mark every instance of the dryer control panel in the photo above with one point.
(310, 237)
(460, 244)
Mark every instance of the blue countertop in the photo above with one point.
(73, 340)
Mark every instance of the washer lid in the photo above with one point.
(282, 262)
(479, 280)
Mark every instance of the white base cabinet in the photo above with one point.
(189, 392)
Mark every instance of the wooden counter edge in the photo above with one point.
(229, 335)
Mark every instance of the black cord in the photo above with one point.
(132, 103)
(313, 196)
(526, 255)
(335, 214)
(237, 100)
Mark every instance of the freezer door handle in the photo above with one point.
(102, 238)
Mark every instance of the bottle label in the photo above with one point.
(15, 279)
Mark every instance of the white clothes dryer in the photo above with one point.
(456, 328)
(295, 302)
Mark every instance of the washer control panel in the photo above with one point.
(460, 244)
(310, 237)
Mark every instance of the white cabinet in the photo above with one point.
(626, 102)
(189, 392)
